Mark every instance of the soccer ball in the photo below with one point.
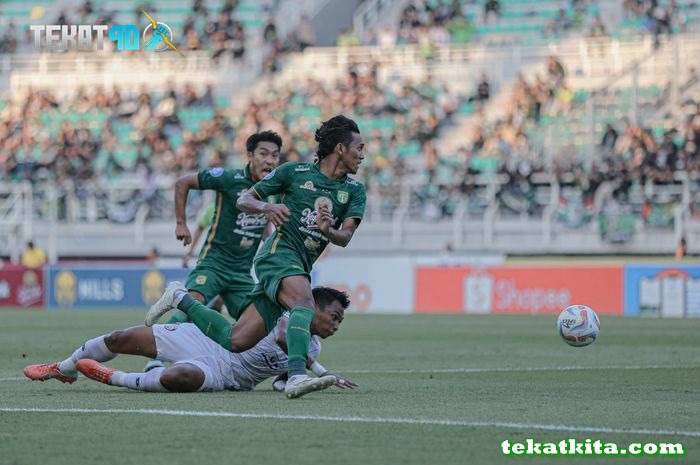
(578, 325)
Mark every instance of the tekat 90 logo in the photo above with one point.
(156, 36)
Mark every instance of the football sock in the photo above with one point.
(298, 339)
(95, 349)
(178, 316)
(149, 381)
(212, 323)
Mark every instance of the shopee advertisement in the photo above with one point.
(516, 289)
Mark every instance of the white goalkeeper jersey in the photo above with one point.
(265, 360)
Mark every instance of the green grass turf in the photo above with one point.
(371, 350)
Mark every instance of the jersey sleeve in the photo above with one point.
(217, 179)
(276, 182)
(207, 216)
(356, 209)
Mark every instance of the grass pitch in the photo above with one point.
(433, 389)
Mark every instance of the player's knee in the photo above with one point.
(239, 344)
(182, 378)
(116, 340)
(197, 296)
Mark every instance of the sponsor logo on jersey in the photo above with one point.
(201, 279)
(170, 326)
(311, 244)
(323, 201)
(342, 196)
(216, 172)
(247, 243)
(271, 174)
(251, 221)
(301, 168)
(308, 185)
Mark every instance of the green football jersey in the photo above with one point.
(303, 188)
(234, 236)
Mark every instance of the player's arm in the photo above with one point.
(318, 369)
(182, 188)
(276, 182)
(281, 333)
(340, 236)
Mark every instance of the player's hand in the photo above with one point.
(342, 383)
(186, 260)
(324, 219)
(182, 233)
(276, 213)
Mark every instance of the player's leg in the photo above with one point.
(181, 377)
(248, 330)
(212, 323)
(137, 341)
(180, 317)
(295, 292)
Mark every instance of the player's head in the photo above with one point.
(330, 310)
(340, 136)
(263, 150)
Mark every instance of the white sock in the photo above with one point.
(149, 381)
(95, 349)
(297, 378)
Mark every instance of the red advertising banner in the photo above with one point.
(518, 289)
(21, 287)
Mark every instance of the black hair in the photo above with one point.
(266, 136)
(337, 130)
(326, 295)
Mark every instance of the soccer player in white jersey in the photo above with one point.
(198, 363)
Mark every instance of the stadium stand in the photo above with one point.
(568, 136)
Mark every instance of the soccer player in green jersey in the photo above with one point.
(320, 203)
(226, 257)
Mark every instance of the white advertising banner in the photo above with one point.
(375, 285)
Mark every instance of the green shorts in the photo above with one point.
(271, 269)
(212, 281)
(268, 310)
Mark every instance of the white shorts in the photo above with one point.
(182, 343)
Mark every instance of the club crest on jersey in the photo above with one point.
(342, 196)
(201, 279)
(270, 174)
(308, 185)
(216, 172)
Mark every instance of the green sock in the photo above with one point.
(298, 339)
(212, 323)
(178, 317)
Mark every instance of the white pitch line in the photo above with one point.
(375, 420)
(488, 370)
(526, 369)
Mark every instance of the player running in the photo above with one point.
(198, 363)
(320, 203)
(225, 260)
